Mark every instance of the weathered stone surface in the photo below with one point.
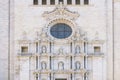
(96, 23)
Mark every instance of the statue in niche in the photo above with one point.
(61, 51)
(77, 50)
(77, 65)
(43, 65)
(44, 49)
(86, 75)
(61, 66)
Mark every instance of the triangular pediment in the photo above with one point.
(60, 12)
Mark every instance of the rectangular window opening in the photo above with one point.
(52, 2)
(37, 47)
(71, 62)
(36, 76)
(50, 63)
(97, 49)
(86, 2)
(36, 62)
(69, 2)
(85, 47)
(71, 77)
(84, 62)
(35, 2)
(71, 47)
(44, 2)
(77, 2)
(24, 49)
(50, 47)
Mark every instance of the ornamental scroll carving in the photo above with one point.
(60, 12)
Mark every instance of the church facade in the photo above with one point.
(60, 40)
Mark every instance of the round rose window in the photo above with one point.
(61, 31)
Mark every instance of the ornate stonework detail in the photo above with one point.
(79, 35)
(44, 56)
(43, 36)
(61, 52)
(60, 12)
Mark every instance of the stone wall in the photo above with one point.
(4, 44)
(117, 40)
(96, 17)
(92, 19)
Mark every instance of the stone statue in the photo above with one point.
(61, 66)
(77, 49)
(44, 49)
(61, 51)
(43, 65)
(77, 65)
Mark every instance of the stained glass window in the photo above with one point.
(61, 30)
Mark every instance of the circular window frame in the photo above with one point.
(66, 30)
(64, 21)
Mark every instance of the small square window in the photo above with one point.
(77, 2)
(69, 2)
(52, 2)
(86, 2)
(97, 49)
(44, 2)
(24, 49)
(35, 2)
